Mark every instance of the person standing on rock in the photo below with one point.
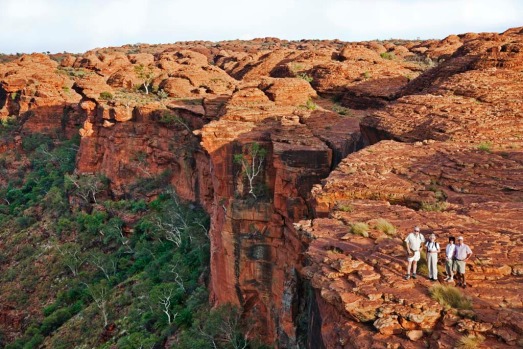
(462, 254)
(432, 257)
(449, 254)
(413, 242)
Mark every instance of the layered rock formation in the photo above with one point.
(34, 88)
(250, 129)
(459, 173)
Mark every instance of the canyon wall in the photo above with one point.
(288, 114)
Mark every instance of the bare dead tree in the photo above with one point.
(104, 263)
(139, 161)
(229, 331)
(177, 278)
(123, 240)
(204, 228)
(72, 257)
(207, 335)
(174, 224)
(172, 231)
(86, 186)
(252, 165)
(100, 295)
(165, 303)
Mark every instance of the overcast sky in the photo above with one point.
(80, 25)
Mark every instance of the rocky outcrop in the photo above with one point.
(457, 172)
(363, 275)
(37, 93)
(258, 133)
(472, 97)
(290, 92)
(156, 149)
(255, 251)
(254, 244)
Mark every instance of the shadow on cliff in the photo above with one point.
(55, 120)
(256, 251)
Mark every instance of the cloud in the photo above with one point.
(417, 18)
(22, 10)
(76, 26)
(114, 22)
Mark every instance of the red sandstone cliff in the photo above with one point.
(221, 98)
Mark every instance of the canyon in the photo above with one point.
(287, 145)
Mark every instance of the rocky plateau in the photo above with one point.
(412, 132)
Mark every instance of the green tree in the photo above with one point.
(218, 328)
(71, 256)
(164, 296)
(136, 340)
(86, 186)
(178, 221)
(55, 201)
(146, 74)
(107, 264)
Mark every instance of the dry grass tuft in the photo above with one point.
(438, 206)
(450, 296)
(386, 227)
(470, 342)
(344, 207)
(360, 228)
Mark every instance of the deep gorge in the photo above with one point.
(286, 146)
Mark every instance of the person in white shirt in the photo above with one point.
(432, 257)
(413, 242)
(462, 254)
(449, 254)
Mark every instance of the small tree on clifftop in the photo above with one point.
(253, 166)
(146, 74)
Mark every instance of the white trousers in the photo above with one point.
(432, 263)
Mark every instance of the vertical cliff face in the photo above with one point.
(255, 251)
(265, 152)
(194, 146)
(147, 148)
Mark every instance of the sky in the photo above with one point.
(81, 25)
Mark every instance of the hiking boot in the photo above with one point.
(414, 275)
(407, 277)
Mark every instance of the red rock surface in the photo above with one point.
(472, 97)
(32, 87)
(255, 245)
(459, 173)
(363, 276)
(298, 101)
